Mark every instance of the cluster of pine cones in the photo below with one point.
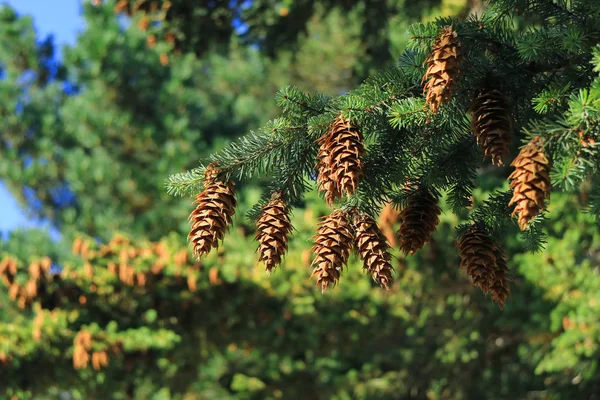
(39, 278)
(83, 353)
(151, 11)
(340, 168)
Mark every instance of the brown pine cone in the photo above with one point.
(214, 212)
(530, 182)
(492, 124)
(122, 6)
(333, 243)
(388, 219)
(443, 69)
(419, 218)
(373, 249)
(273, 228)
(340, 164)
(478, 256)
(500, 288)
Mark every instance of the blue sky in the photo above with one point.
(60, 18)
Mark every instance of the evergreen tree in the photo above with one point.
(121, 316)
(162, 106)
(524, 68)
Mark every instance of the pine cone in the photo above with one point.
(122, 6)
(273, 227)
(388, 219)
(333, 242)
(340, 164)
(492, 124)
(530, 182)
(478, 256)
(213, 213)
(443, 69)
(500, 288)
(373, 250)
(419, 221)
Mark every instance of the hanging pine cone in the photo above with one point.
(530, 182)
(492, 124)
(373, 250)
(388, 219)
(340, 164)
(273, 227)
(213, 213)
(333, 243)
(500, 288)
(443, 69)
(478, 257)
(419, 218)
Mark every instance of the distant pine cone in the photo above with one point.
(388, 219)
(151, 41)
(530, 182)
(99, 360)
(144, 23)
(443, 69)
(333, 243)
(340, 164)
(373, 250)
(478, 256)
(419, 218)
(273, 228)
(213, 213)
(122, 6)
(164, 59)
(492, 124)
(170, 38)
(500, 288)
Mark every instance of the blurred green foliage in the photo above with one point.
(87, 143)
(242, 334)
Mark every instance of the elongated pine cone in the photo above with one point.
(273, 228)
(373, 249)
(500, 288)
(492, 124)
(530, 182)
(340, 165)
(443, 69)
(478, 256)
(333, 243)
(213, 213)
(419, 218)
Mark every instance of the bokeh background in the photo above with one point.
(99, 298)
(61, 19)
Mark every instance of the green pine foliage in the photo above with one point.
(243, 334)
(94, 130)
(547, 68)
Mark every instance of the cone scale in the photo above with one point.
(500, 288)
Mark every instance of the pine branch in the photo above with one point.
(186, 183)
